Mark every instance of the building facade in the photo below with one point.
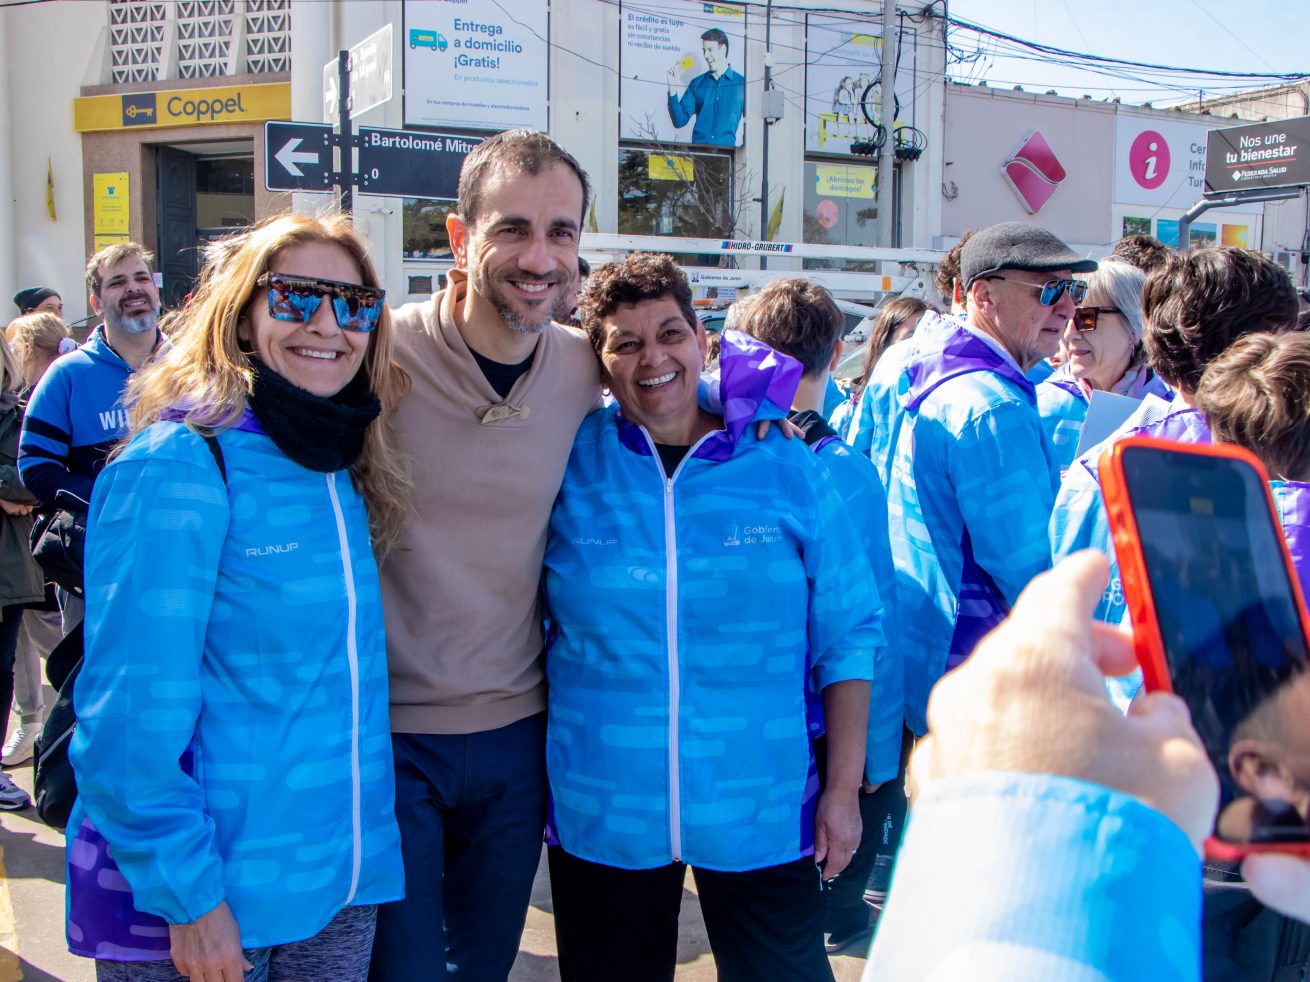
(160, 137)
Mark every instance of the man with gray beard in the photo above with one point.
(75, 414)
(498, 391)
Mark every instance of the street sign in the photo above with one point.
(370, 76)
(1259, 156)
(411, 163)
(297, 156)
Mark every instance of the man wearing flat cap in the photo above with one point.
(39, 299)
(973, 475)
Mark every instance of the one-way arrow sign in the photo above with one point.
(297, 156)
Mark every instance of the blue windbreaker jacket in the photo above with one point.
(877, 419)
(972, 484)
(686, 615)
(233, 740)
(866, 505)
(74, 418)
(1063, 403)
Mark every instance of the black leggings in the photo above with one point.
(11, 620)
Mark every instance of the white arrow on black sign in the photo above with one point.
(289, 158)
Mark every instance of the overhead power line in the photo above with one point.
(1054, 51)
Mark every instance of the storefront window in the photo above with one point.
(840, 209)
(425, 230)
(675, 193)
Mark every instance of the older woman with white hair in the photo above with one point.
(1101, 349)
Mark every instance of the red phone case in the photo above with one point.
(1147, 639)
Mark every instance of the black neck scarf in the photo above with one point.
(321, 434)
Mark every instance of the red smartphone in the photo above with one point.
(1218, 618)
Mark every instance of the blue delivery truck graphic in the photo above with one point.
(422, 38)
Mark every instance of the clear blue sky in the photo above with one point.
(1232, 35)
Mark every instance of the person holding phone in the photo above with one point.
(1053, 836)
(232, 750)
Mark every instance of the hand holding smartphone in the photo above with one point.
(1218, 618)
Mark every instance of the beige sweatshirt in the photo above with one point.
(460, 588)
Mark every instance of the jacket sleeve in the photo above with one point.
(1005, 490)
(12, 488)
(1079, 522)
(845, 611)
(1029, 877)
(45, 442)
(156, 529)
(860, 428)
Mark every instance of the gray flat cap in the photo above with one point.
(1018, 245)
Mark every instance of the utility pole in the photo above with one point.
(887, 117)
(764, 169)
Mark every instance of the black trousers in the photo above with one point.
(611, 923)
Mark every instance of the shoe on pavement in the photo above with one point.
(12, 797)
(18, 748)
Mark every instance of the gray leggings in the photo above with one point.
(339, 952)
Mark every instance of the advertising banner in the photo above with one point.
(682, 75)
(1259, 156)
(843, 77)
(476, 63)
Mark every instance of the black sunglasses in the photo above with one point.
(295, 299)
(1085, 318)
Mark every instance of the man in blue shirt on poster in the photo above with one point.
(716, 98)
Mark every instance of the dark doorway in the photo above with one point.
(205, 191)
(176, 206)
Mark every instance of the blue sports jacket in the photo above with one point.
(74, 418)
(877, 417)
(866, 505)
(1063, 403)
(686, 616)
(972, 484)
(233, 740)
(1007, 877)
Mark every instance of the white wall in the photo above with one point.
(50, 51)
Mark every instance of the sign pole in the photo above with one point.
(345, 177)
(1227, 201)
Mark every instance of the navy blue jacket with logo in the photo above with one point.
(74, 418)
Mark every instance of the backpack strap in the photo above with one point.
(211, 441)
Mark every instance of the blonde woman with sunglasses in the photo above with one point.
(233, 747)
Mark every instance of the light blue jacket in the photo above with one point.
(233, 740)
(686, 616)
(1063, 403)
(866, 505)
(877, 418)
(972, 484)
(1035, 878)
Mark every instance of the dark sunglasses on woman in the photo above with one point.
(295, 299)
(1085, 318)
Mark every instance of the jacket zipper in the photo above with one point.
(671, 628)
(352, 656)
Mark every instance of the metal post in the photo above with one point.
(764, 168)
(346, 175)
(1227, 201)
(887, 155)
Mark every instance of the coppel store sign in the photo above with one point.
(183, 107)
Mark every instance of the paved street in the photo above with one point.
(32, 913)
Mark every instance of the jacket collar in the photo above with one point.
(944, 348)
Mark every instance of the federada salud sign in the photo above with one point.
(1259, 156)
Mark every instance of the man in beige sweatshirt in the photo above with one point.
(498, 392)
